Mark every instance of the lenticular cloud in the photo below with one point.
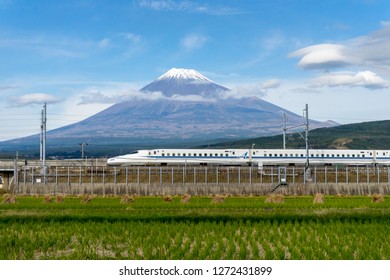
(322, 56)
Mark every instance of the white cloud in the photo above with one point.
(187, 6)
(251, 89)
(371, 51)
(105, 43)
(101, 97)
(190, 98)
(273, 41)
(4, 88)
(272, 83)
(365, 58)
(366, 79)
(193, 41)
(48, 46)
(160, 5)
(323, 56)
(131, 37)
(110, 97)
(33, 98)
(385, 22)
(133, 44)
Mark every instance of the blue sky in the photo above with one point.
(81, 56)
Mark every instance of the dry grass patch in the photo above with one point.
(186, 198)
(218, 199)
(127, 199)
(86, 198)
(378, 198)
(60, 198)
(274, 198)
(168, 198)
(9, 198)
(319, 198)
(47, 199)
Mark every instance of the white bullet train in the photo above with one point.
(259, 157)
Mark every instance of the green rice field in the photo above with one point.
(195, 228)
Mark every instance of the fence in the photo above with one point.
(200, 180)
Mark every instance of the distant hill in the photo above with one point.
(366, 135)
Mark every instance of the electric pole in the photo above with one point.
(284, 130)
(82, 149)
(307, 165)
(44, 120)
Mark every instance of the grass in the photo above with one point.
(135, 227)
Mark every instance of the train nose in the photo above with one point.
(112, 161)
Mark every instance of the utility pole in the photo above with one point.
(284, 130)
(41, 138)
(82, 149)
(43, 141)
(307, 165)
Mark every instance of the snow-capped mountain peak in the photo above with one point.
(186, 74)
(178, 81)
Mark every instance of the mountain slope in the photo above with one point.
(190, 109)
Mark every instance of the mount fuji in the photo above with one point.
(184, 82)
(187, 109)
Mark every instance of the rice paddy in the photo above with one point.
(195, 228)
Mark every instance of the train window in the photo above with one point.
(353, 155)
(168, 154)
(205, 154)
(149, 153)
(342, 155)
(370, 154)
(296, 155)
(178, 154)
(327, 155)
(234, 153)
(384, 154)
(226, 155)
(184, 154)
(154, 152)
(322, 155)
(301, 155)
(163, 154)
(276, 155)
(173, 154)
(332, 155)
(312, 155)
(216, 154)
